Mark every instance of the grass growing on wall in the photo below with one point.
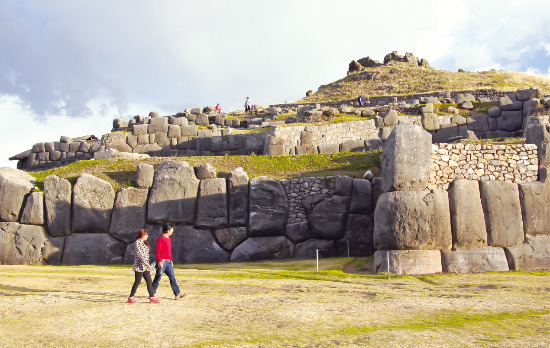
(121, 173)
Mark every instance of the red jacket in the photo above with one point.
(164, 248)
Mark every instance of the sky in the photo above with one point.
(70, 67)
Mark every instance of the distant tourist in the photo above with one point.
(164, 260)
(361, 100)
(142, 267)
(247, 105)
(218, 108)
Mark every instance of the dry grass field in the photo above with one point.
(272, 304)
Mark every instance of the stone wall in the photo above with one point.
(217, 219)
(511, 163)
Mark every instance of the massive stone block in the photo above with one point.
(358, 237)
(93, 201)
(406, 159)
(21, 244)
(58, 197)
(502, 210)
(509, 103)
(510, 121)
(327, 219)
(540, 136)
(173, 194)
(196, 246)
(268, 207)
(212, 204)
(92, 249)
(263, 248)
(298, 232)
(533, 255)
(230, 237)
(535, 208)
(144, 175)
(237, 189)
(361, 197)
(307, 249)
(467, 219)
(486, 259)
(129, 214)
(412, 220)
(408, 262)
(15, 184)
(158, 125)
(33, 213)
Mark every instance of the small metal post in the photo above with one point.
(347, 241)
(317, 256)
(388, 259)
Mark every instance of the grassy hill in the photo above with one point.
(398, 79)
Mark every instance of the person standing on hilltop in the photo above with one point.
(164, 260)
(361, 100)
(218, 108)
(142, 267)
(247, 105)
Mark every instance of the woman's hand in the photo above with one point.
(149, 267)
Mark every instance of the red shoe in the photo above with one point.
(132, 300)
(154, 300)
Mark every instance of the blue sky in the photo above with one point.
(70, 67)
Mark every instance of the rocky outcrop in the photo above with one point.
(268, 207)
(15, 185)
(172, 197)
(93, 201)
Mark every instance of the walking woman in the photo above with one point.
(142, 267)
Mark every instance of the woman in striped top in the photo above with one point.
(142, 267)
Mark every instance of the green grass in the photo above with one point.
(121, 173)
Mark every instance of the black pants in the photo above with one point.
(147, 277)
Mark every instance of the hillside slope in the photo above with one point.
(397, 79)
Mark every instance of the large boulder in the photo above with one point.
(486, 259)
(212, 204)
(510, 121)
(390, 118)
(467, 219)
(509, 103)
(268, 207)
(535, 203)
(540, 136)
(173, 194)
(327, 219)
(237, 187)
(93, 201)
(129, 213)
(58, 197)
(412, 220)
(230, 237)
(196, 246)
(22, 244)
(158, 125)
(533, 255)
(406, 159)
(33, 213)
(361, 197)
(408, 262)
(502, 210)
(430, 121)
(298, 232)
(15, 184)
(144, 175)
(263, 248)
(307, 249)
(358, 237)
(92, 249)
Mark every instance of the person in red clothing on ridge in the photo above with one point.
(164, 260)
(218, 108)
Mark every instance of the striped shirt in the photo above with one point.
(141, 256)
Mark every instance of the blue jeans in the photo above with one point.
(167, 268)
